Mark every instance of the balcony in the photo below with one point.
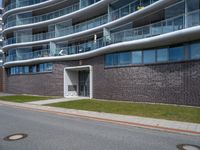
(22, 3)
(44, 17)
(114, 15)
(63, 32)
(151, 30)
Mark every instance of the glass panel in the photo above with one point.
(178, 23)
(195, 51)
(49, 67)
(115, 59)
(125, 58)
(26, 69)
(193, 5)
(193, 19)
(175, 10)
(149, 56)
(176, 53)
(41, 68)
(137, 57)
(109, 60)
(162, 55)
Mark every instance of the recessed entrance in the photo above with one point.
(78, 81)
(84, 83)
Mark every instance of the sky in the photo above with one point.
(0, 2)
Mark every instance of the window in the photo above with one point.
(193, 5)
(149, 56)
(125, 58)
(21, 70)
(31, 69)
(137, 57)
(176, 53)
(26, 69)
(49, 67)
(193, 19)
(115, 59)
(195, 51)
(175, 10)
(162, 55)
(172, 54)
(41, 68)
(109, 60)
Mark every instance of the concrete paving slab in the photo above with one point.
(51, 101)
(5, 94)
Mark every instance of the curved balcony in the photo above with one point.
(148, 31)
(114, 15)
(64, 32)
(22, 4)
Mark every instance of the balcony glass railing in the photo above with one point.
(22, 3)
(130, 8)
(116, 14)
(29, 55)
(63, 32)
(162, 27)
(44, 17)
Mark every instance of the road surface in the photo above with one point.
(47, 131)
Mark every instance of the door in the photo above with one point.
(84, 83)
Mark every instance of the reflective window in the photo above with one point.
(193, 5)
(31, 69)
(175, 10)
(41, 68)
(125, 58)
(109, 60)
(137, 57)
(149, 56)
(26, 69)
(49, 67)
(193, 19)
(195, 51)
(173, 54)
(162, 55)
(115, 59)
(176, 53)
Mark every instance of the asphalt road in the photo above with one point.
(48, 131)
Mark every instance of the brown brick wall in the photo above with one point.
(177, 83)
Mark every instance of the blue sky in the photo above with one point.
(0, 2)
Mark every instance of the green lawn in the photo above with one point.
(24, 98)
(169, 112)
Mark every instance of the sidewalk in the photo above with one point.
(51, 101)
(149, 123)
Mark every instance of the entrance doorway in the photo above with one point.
(84, 83)
(78, 81)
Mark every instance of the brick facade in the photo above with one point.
(177, 83)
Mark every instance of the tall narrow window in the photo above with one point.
(109, 60)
